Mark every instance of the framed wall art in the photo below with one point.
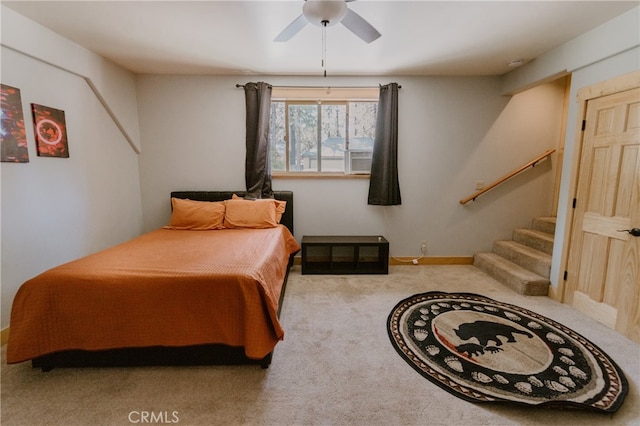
(50, 131)
(13, 138)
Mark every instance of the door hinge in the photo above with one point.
(575, 201)
(564, 277)
(584, 125)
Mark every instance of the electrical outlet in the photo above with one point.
(479, 184)
(423, 247)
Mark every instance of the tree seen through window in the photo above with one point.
(321, 136)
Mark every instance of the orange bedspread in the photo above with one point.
(164, 288)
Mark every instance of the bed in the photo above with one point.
(179, 295)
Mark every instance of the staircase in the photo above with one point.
(523, 263)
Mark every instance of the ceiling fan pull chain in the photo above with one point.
(324, 46)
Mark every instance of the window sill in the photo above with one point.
(317, 175)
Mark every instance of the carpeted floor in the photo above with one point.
(336, 366)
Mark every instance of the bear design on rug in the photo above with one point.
(485, 332)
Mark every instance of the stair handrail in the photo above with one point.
(508, 176)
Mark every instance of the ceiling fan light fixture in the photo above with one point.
(325, 13)
(318, 12)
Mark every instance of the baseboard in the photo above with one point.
(433, 260)
(4, 336)
(554, 294)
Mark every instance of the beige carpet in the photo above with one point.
(336, 366)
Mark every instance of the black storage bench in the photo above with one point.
(332, 254)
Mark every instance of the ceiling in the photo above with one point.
(236, 37)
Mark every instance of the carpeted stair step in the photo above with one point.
(545, 224)
(514, 276)
(536, 239)
(525, 256)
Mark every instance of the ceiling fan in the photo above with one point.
(325, 13)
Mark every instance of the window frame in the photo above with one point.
(320, 96)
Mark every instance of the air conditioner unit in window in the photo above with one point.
(358, 161)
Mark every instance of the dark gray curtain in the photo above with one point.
(257, 163)
(384, 187)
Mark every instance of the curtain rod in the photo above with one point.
(327, 87)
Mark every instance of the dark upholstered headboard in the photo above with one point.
(287, 216)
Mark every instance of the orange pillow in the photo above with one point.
(241, 213)
(280, 205)
(280, 208)
(196, 215)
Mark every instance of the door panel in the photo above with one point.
(612, 293)
(592, 271)
(604, 263)
(627, 173)
(597, 190)
(628, 320)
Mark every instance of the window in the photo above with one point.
(319, 130)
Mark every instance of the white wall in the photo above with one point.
(54, 210)
(453, 132)
(612, 38)
(114, 86)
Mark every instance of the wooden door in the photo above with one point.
(603, 277)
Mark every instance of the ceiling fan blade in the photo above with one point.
(357, 25)
(292, 29)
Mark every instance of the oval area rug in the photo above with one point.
(482, 350)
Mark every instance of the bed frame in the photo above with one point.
(210, 354)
